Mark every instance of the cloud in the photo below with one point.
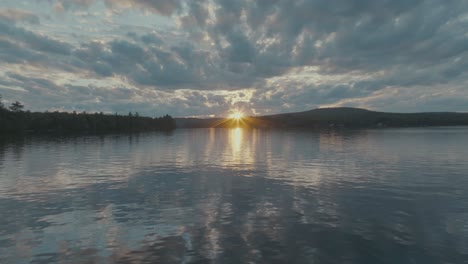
(162, 7)
(17, 15)
(293, 55)
(341, 36)
(41, 94)
(25, 38)
(148, 61)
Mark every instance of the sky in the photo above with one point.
(210, 57)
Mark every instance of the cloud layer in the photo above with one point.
(206, 57)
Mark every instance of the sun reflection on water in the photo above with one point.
(238, 151)
(236, 140)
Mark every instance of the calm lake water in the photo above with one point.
(237, 196)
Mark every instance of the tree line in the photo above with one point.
(15, 120)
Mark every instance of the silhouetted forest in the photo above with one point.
(15, 120)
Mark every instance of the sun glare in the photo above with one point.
(236, 115)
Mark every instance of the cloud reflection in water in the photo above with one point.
(236, 196)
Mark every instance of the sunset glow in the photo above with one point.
(236, 115)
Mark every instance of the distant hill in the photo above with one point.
(340, 117)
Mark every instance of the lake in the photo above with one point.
(237, 196)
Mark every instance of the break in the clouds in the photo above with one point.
(205, 57)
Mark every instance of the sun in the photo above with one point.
(236, 115)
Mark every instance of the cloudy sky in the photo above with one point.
(207, 57)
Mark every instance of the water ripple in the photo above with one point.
(237, 196)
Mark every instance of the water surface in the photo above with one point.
(237, 196)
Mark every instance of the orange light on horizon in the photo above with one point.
(236, 118)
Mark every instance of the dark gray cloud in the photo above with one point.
(147, 61)
(339, 36)
(32, 41)
(146, 64)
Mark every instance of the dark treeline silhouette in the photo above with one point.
(347, 117)
(14, 120)
(340, 117)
